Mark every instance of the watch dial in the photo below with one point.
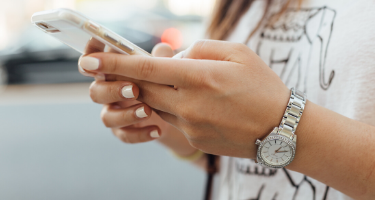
(276, 152)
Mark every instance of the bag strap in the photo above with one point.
(211, 171)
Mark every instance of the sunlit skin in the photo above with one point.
(225, 97)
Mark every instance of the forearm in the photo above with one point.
(337, 151)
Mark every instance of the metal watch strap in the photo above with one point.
(293, 113)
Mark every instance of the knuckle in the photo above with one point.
(214, 84)
(92, 92)
(198, 46)
(198, 79)
(146, 68)
(106, 122)
(207, 79)
(241, 47)
(103, 117)
(125, 138)
(111, 63)
(131, 141)
(122, 135)
(126, 117)
(115, 132)
(113, 92)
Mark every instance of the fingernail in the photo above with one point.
(179, 55)
(154, 134)
(140, 112)
(100, 77)
(127, 91)
(89, 63)
(83, 71)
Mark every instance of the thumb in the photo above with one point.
(162, 50)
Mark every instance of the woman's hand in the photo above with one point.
(130, 120)
(224, 96)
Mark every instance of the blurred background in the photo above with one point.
(53, 144)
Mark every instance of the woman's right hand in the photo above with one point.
(132, 121)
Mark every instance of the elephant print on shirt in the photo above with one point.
(286, 43)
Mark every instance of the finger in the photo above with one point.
(110, 92)
(114, 117)
(125, 104)
(137, 135)
(217, 50)
(94, 45)
(158, 70)
(160, 97)
(162, 50)
(84, 72)
(157, 96)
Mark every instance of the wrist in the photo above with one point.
(306, 133)
(278, 148)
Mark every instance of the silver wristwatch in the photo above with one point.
(278, 149)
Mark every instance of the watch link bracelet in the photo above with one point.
(278, 149)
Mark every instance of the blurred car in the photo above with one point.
(37, 58)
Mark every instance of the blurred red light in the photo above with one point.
(172, 37)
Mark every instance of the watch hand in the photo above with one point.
(282, 151)
(277, 150)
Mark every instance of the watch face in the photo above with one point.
(277, 151)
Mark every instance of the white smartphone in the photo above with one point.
(82, 34)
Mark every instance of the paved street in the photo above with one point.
(53, 146)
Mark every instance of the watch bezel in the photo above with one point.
(271, 138)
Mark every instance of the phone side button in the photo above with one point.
(92, 27)
(110, 37)
(131, 49)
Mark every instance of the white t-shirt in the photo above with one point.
(326, 49)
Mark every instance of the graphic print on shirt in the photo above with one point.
(286, 45)
(278, 183)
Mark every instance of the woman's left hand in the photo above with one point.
(224, 96)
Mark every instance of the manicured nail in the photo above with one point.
(140, 112)
(179, 55)
(84, 72)
(154, 134)
(100, 77)
(127, 91)
(89, 63)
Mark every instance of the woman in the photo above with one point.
(220, 97)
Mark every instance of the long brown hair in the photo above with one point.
(227, 14)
